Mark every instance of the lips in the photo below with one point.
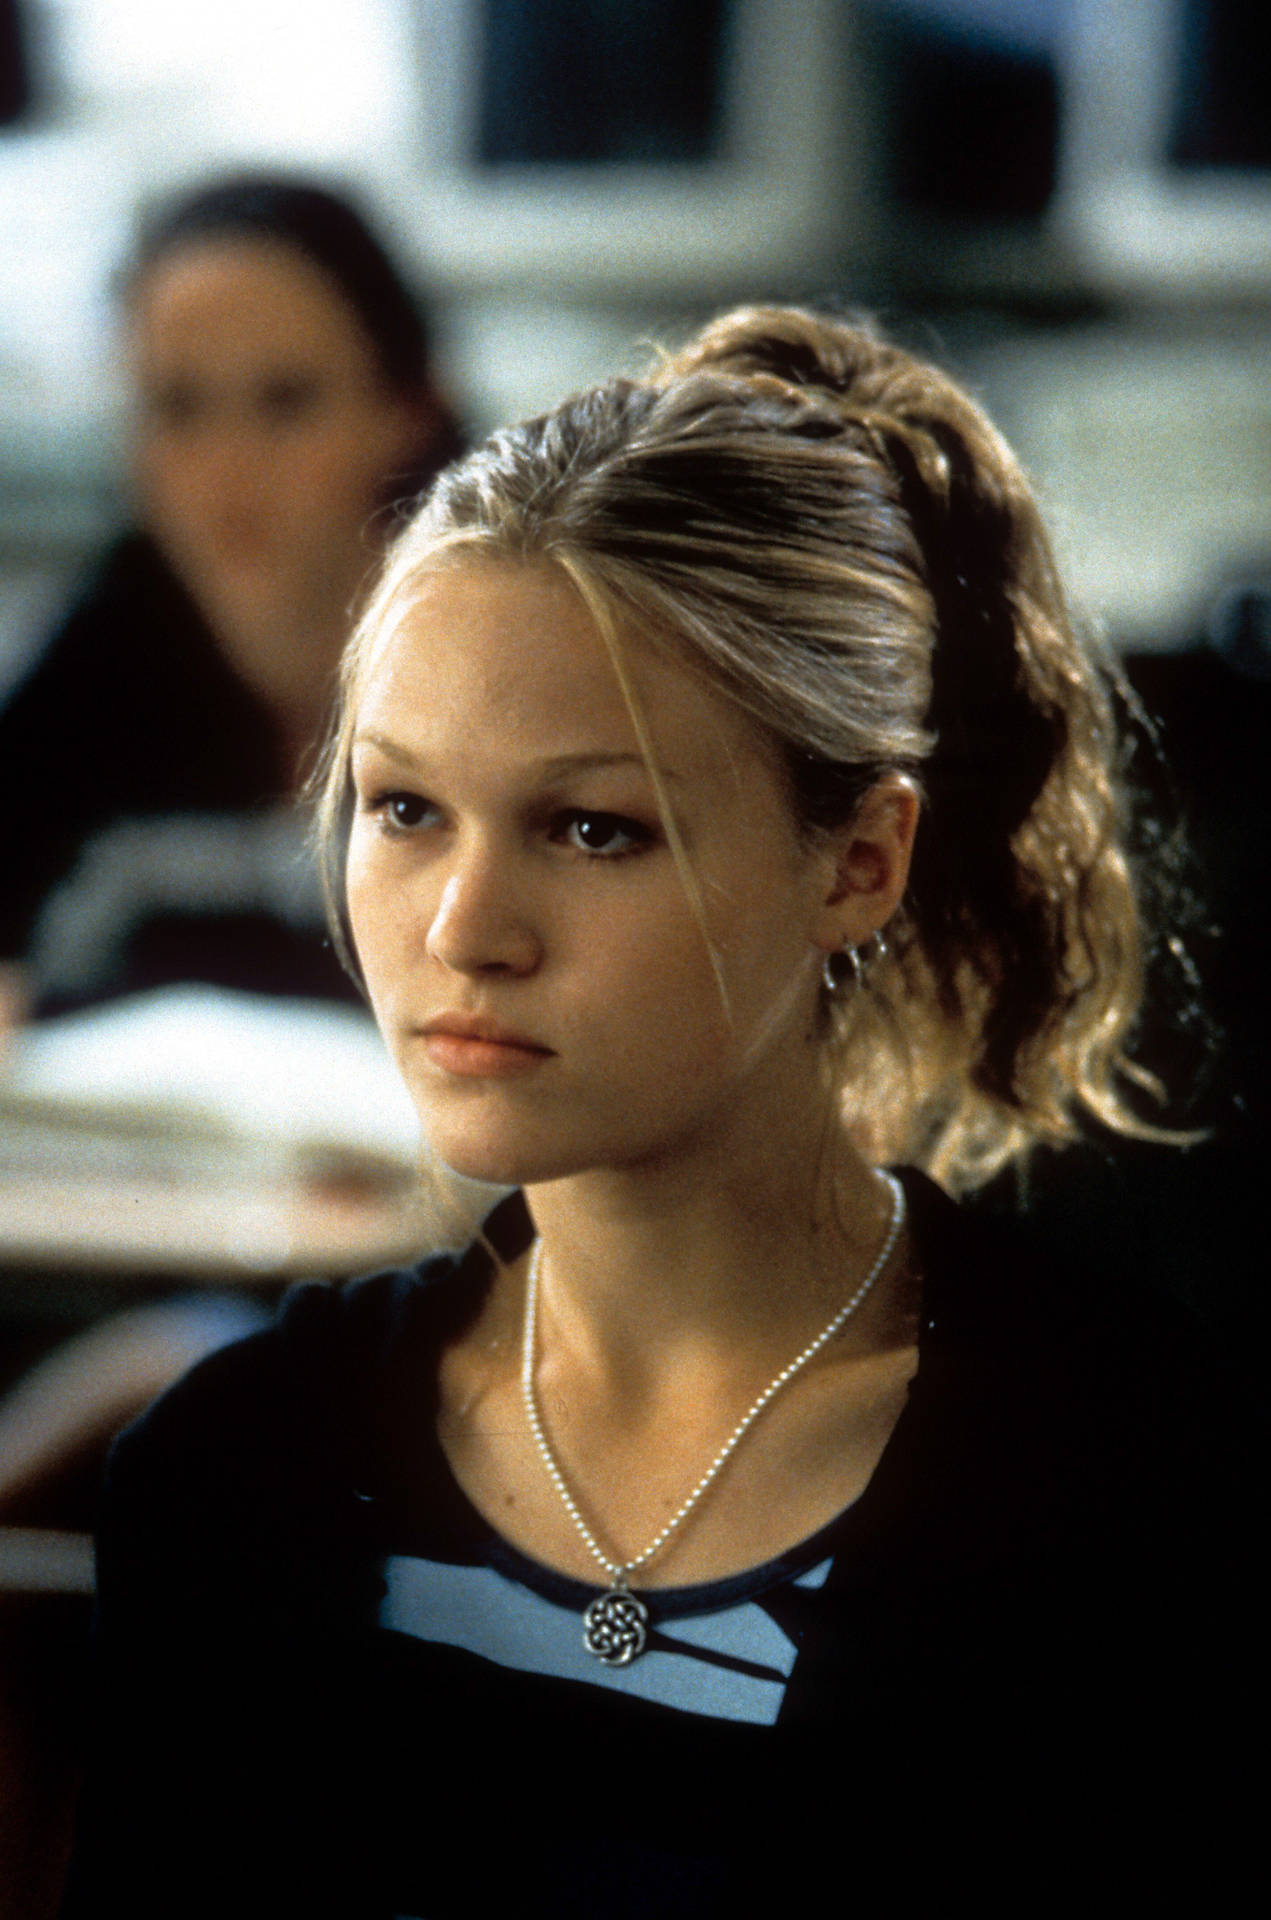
(472, 1046)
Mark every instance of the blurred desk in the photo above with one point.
(194, 1134)
(166, 1169)
(75, 1250)
(139, 1230)
(45, 1560)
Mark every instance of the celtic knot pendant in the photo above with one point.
(615, 1626)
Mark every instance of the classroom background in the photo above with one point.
(1067, 202)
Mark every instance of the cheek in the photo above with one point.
(771, 970)
(766, 954)
(653, 992)
(334, 475)
(170, 480)
(376, 917)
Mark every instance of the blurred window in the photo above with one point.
(971, 100)
(600, 80)
(1222, 99)
(15, 73)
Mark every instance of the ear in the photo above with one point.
(871, 854)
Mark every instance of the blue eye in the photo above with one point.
(607, 836)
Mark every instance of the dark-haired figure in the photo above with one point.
(725, 820)
(283, 402)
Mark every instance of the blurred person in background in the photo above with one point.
(283, 402)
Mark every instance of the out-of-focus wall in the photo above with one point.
(1121, 334)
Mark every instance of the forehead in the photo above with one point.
(510, 653)
(242, 298)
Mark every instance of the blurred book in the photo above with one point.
(195, 1127)
(203, 1070)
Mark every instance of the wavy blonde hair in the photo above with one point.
(835, 536)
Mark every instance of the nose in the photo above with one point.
(482, 923)
(234, 465)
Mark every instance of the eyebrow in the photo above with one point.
(556, 767)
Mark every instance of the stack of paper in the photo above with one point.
(195, 1129)
(201, 1073)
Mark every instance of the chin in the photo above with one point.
(501, 1163)
(494, 1163)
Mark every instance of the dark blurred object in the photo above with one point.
(1240, 629)
(44, 1678)
(601, 81)
(971, 112)
(1222, 105)
(1190, 1219)
(1213, 706)
(15, 69)
(51, 1436)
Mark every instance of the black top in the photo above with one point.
(1020, 1658)
(149, 839)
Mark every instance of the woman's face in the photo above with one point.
(264, 432)
(524, 930)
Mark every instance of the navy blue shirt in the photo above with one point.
(1018, 1659)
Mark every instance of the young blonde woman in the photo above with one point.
(723, 819)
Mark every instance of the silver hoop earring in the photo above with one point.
(830, 973)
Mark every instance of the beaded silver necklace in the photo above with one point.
(615, 1625)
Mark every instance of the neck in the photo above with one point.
(283, 638)
(637, 1269)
